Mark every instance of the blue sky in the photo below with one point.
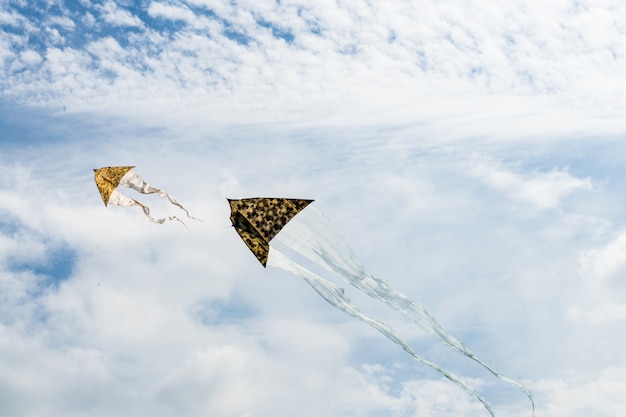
(471, 153)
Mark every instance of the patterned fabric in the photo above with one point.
(107, 180)
(258, 220)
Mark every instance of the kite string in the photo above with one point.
(335, 296)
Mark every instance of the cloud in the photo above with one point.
(158, 9)
(601, 395)
(601, 313)
(361, 61)
(605, 263)
(603, 271)
(10, 18)
(30, 58)
(62, 21)
(119, 16)
(544, 190)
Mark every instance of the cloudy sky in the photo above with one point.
(471, 152)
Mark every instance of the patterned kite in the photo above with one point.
(108, 179)
(303, 228)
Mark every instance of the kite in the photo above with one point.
(298, 227)
(108, 179)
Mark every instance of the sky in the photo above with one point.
(470, 152)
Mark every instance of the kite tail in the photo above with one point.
(146, 211)
(311, 235)
(137, 183)
(411, 309)
(120, 199)
(335, 296)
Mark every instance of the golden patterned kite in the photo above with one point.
(108, 179)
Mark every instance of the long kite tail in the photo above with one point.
(335, 296)
(119, 199)
(137, 183)
(311, 235)
(410, 308)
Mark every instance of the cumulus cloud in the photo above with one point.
(63, 21)
(10, 18)
(158, 9)
(119, 16)
(30, 57)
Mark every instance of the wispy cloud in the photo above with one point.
(602, 269)
(543, 190)
(605, 263)
(599, 396)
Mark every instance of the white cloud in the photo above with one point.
(62, 21)
(89, 20)
(30, 58)
(600, 265)
(544, 190)
(601, 313)
(10, 18)
(366, 62)
(118, 16)
(603, 271)
(600, 396)
(158, 9)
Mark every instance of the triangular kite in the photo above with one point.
(109, 178)
(258, 220)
